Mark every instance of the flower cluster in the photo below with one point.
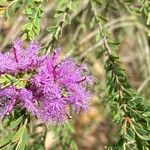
(46, 86)
(19, 59)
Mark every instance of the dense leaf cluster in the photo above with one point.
(128, 108)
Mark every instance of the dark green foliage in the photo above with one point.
(128, 108)
(16, 126)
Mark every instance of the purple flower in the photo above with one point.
(63, 84)
(45, 86)
(27, 101)
(19, 59)
(53, 110)
(7, 100)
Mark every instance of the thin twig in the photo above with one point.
(144, 84)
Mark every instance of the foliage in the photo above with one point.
(128, 108)
(34, 11)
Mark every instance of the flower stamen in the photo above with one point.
(82, 80)
(15, 54)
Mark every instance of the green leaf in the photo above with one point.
(37, 30)
(148, 19)
(38, 1)
(146, 114)
(10, 78)
(138, 143)
(68, 19)
(19, 134)
(27, 26)
(70, 127)
(24, 36)
(28, 11)
(101, 18)
(74, 145)
(23, 141)
(20, 84)
(99, 2)
(15, 123)
(6, 140)
(131, 133)
(36, 22)
(31, 34)
(52, 29)
(3, 78)
(74, 6)
(21, 137)
(118, 117)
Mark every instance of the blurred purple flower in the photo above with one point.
(63, 84)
